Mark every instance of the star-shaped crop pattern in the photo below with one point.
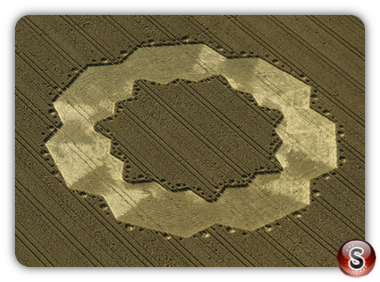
(204, 136)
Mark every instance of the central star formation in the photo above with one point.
(204, 136)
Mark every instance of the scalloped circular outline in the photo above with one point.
(83, 158)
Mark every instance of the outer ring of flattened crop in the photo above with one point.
(83, 155)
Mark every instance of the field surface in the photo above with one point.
(188, 140)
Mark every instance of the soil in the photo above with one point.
(59, 226)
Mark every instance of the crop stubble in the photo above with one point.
(56, 226)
